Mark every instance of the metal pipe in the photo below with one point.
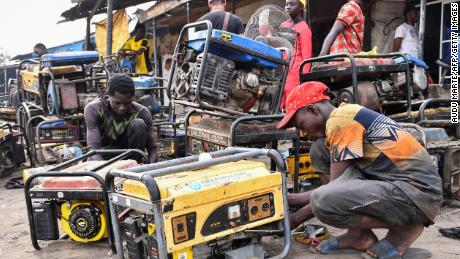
(175, 162)
(250, 118)
(421, 110)
(116, 231)
(96, 152)
(283, 81)
(421, 29)
(276, 156)
(109, 27)
(189, 12)
(87, 79)
(355, 74)
(157, 62)
(88, 32)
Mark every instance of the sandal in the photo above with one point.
(331, 246)
(385, 250)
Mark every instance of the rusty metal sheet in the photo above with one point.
(68, 94)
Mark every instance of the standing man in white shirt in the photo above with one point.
(406, 37)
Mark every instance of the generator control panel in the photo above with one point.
(239, 213)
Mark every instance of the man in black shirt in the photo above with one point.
(222, 20)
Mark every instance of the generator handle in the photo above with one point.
(122, 153)
(147, 173)
(426, 103)
(27, 186)
(239, 120)
(283, 80)
(354, 74)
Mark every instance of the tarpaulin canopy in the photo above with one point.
(120, 32)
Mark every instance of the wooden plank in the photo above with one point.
(8, 114)
(160, 8)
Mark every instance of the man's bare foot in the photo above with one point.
(401, 237)
(359, 239)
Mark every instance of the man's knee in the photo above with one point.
(320, 201)
(329, 208)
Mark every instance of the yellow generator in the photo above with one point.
(215, 205)
(73, 193)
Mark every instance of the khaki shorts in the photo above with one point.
(343, 202)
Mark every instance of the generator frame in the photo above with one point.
(146, 174)
(91, 194)
(22, 134)
(356, 71)
(29, 112)
(234, 139)
(201, 103)
(42, 93)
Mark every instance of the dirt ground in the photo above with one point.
(15, 240)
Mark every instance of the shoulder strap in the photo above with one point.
(225, 25)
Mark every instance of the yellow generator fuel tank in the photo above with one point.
(212, 203)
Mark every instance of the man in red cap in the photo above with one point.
(381, 177)
(222, 20)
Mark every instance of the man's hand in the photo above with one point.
(140, 51)
(96, 157)
(153, 156)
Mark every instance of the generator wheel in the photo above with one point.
(51, 99)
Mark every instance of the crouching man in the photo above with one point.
(380, 176)
(116, 122)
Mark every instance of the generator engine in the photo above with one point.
(84, 221)
(227, 85)
(389, 88)
(239, 74)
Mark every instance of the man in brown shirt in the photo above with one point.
(117, 122)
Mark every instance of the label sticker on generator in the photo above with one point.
(218, 180)
(226, 36)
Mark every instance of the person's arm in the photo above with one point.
(93, 134)
(240, 27)
(338, 168)
(346, 17)
(306, 47)
(151, 139)
(399, 34)
(144, 47)
(397, 44)
(337, 28)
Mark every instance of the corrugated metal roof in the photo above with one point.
(85, 8)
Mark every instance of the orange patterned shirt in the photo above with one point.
(383, 150)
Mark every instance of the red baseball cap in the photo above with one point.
(301, 96)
